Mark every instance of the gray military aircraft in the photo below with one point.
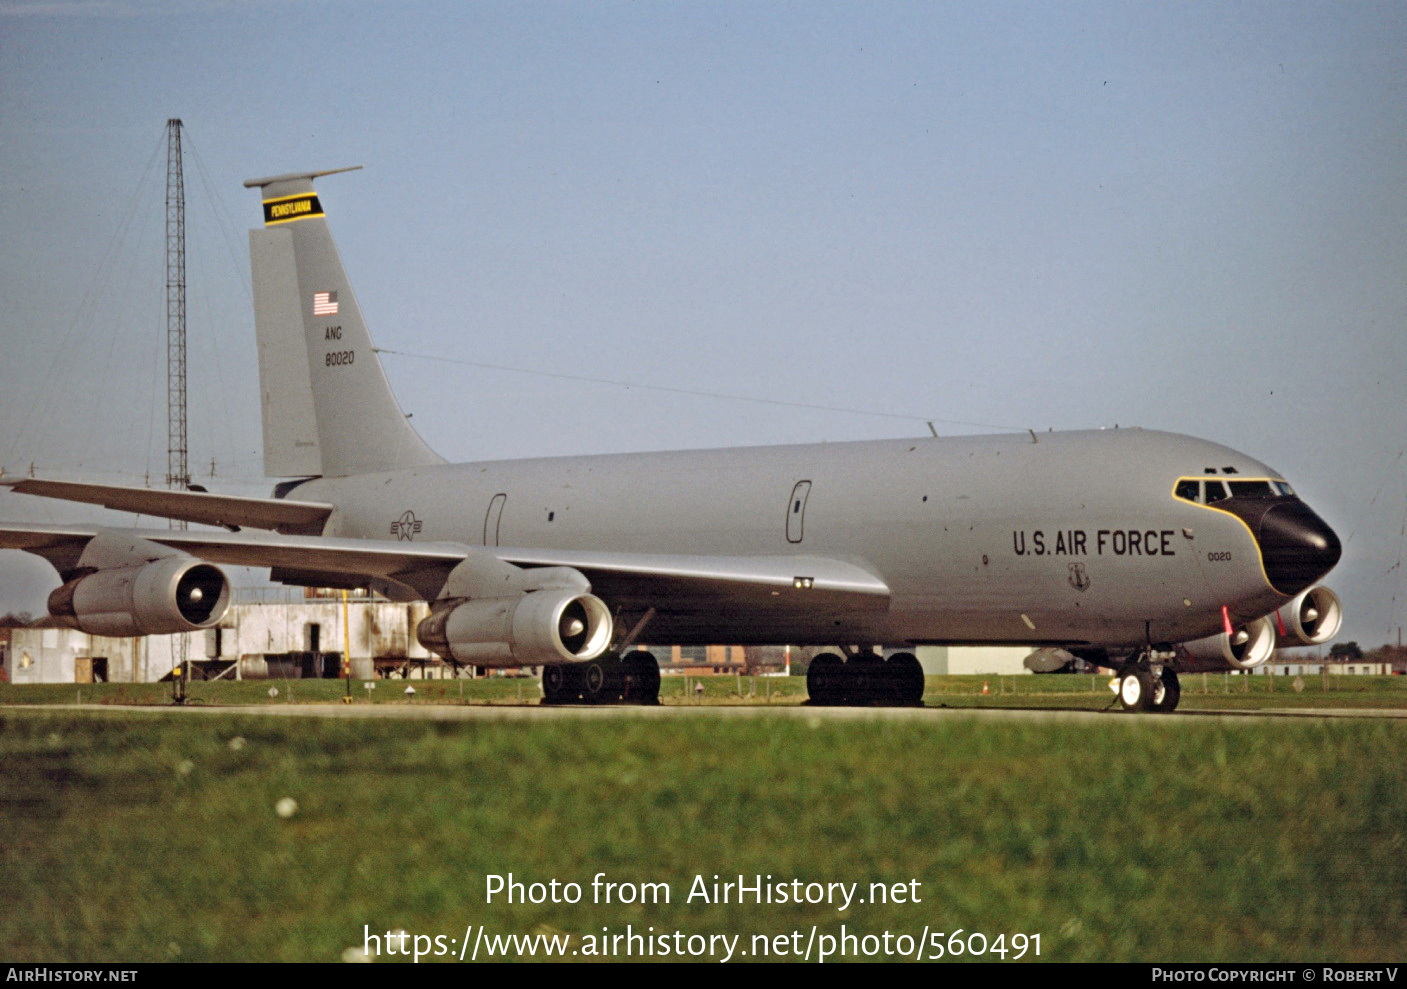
(1147, 551)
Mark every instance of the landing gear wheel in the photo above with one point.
(642, 678)
(1167, 692)
(564, 683)
(595, 679)
(865, 679)
(905, 677)
(553, 682)
(823, 679)
(1136, 688)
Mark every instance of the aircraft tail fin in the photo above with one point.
(327, 406)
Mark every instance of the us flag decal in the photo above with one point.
(324, 303)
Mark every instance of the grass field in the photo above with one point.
(132, 835)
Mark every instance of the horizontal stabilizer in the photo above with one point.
(296, 177)
(192, 506)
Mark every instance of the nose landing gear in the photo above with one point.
(1148, 686)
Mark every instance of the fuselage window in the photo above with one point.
(1285, 490)
(1216, 491)
(1188, 490)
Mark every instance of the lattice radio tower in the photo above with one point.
(178, 475)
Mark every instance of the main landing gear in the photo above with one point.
(609, 679)
(1147, 685)
(865, 679)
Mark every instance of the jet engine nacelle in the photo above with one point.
(1247, 647)
(174, 594)
(1314, 616)
(539, 628)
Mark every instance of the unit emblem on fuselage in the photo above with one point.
(406, 526)
(1079, 579)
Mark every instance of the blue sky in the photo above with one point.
(1189, 217)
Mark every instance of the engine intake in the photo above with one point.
(535, 629)
(174, 594)
(1247, 647)
(1314, 616)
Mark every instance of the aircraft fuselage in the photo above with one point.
(1070, 538)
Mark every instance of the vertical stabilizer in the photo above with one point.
(328, 408)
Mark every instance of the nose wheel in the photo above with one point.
(1168, 692)
(1143, 689)
(1136, 688)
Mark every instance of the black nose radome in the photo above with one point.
(1298, 547)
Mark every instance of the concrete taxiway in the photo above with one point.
(538, 712)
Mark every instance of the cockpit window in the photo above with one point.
(1252, 489)
(1209, 491)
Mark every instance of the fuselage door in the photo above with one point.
(796, 511)
(492, 518)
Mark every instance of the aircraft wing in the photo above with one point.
(324, 561)
(674, 582)
(641, 580)
(192, 506)
(60, 545)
